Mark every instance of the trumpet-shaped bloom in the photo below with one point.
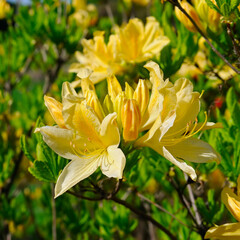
(139, 43)
(229, 230)
(171, 134)
(84, 135)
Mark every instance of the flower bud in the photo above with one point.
(184, 19)
(128, 91)
(93, 102)
(141, 95)
(117, 107)
(131, 119)
(108, 105)
(114, 87)
(234, 207)
(55, 109)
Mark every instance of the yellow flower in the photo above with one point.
(4, 8)
(84, 135)
(192, 13)
(99, 57)
(229, 230)
(139, 43)
(171, 134)
(132, 43)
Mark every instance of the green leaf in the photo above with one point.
(41, 171)
(231, 99)
(225, 9)
(236, 114)
(213, 6)
(24, 148)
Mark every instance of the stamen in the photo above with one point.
(201, 94)
(187, 134)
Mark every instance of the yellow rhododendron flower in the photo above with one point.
(132, 43)
(192, 13)
(99, 57)
(229, 231)
(172, 133)
(168, 112)
(139, 43)
(4, 8)
(84, 135)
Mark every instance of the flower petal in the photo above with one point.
(109, 132)
(194, 150)
(74, 172)
(58, 139)
(229, 231)
(153, 137)
(181, 164)
(188, 105)
(232, 202)
(116, 161)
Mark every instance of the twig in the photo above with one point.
(184, 200)
(192, 200)
(177, 4)
(161, 208)
(84, 197)
(144, 216)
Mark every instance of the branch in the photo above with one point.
(161, 208)
(177, 4)
(143, 215)
(84, 197)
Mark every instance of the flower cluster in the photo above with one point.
(89, 132)
(131, 43)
